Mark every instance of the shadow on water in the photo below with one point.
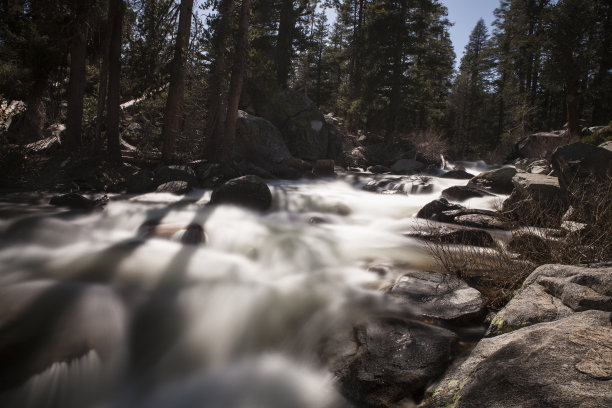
(25, 332)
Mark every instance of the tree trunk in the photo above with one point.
(174, 102)
(102, 89)
(217, 100)
(76, 85)
(116, 10)
(284, 41)
(226, 148)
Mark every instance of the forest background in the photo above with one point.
(383, 66)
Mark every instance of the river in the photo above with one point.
(127, 307)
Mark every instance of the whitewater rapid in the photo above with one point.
(112, 309)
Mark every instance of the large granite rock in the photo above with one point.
(498, 181)
(382, 361)
(177, 187)
(578, 163)
(247, 191)
(564, 363)
(541, 145)
(552, 292)
(300, 122)
(437, 296)
(536, 200)
(259, 141)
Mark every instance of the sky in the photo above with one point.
(465, 14)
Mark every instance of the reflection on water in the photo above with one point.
(163, 301)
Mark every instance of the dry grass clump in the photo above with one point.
(585, 237)
(495, 272)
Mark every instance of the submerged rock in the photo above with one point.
(247, 191)
(565, 363)
(438, 296)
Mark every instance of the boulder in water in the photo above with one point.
(177, 187)
(438, 296)
(77, 201)
(247, 191)
(435, 210)
(457, 174)
(385, 360)
(462, 193)
(498, 181)
(324, 168)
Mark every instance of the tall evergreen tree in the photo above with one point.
(174, 101)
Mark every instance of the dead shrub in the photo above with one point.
(495, 272)
(430, 143)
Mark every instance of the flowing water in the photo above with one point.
(126, 308)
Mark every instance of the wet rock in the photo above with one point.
(165, 174)
(435, 210)
(259, 141)
(174, 187)
(193, 235)
(438, 296)
(498, 181)
(457, 174)
(407, 166)
(385, 360)
(565, 363)
(552, 292)
(578, 163)
(379, 169)
(247, 191)
(482, 221)
(462, 236)
(77, 201)
(462, 193)
(606, 145)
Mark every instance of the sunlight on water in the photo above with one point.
(164, 301)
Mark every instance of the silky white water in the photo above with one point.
(100, 310)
